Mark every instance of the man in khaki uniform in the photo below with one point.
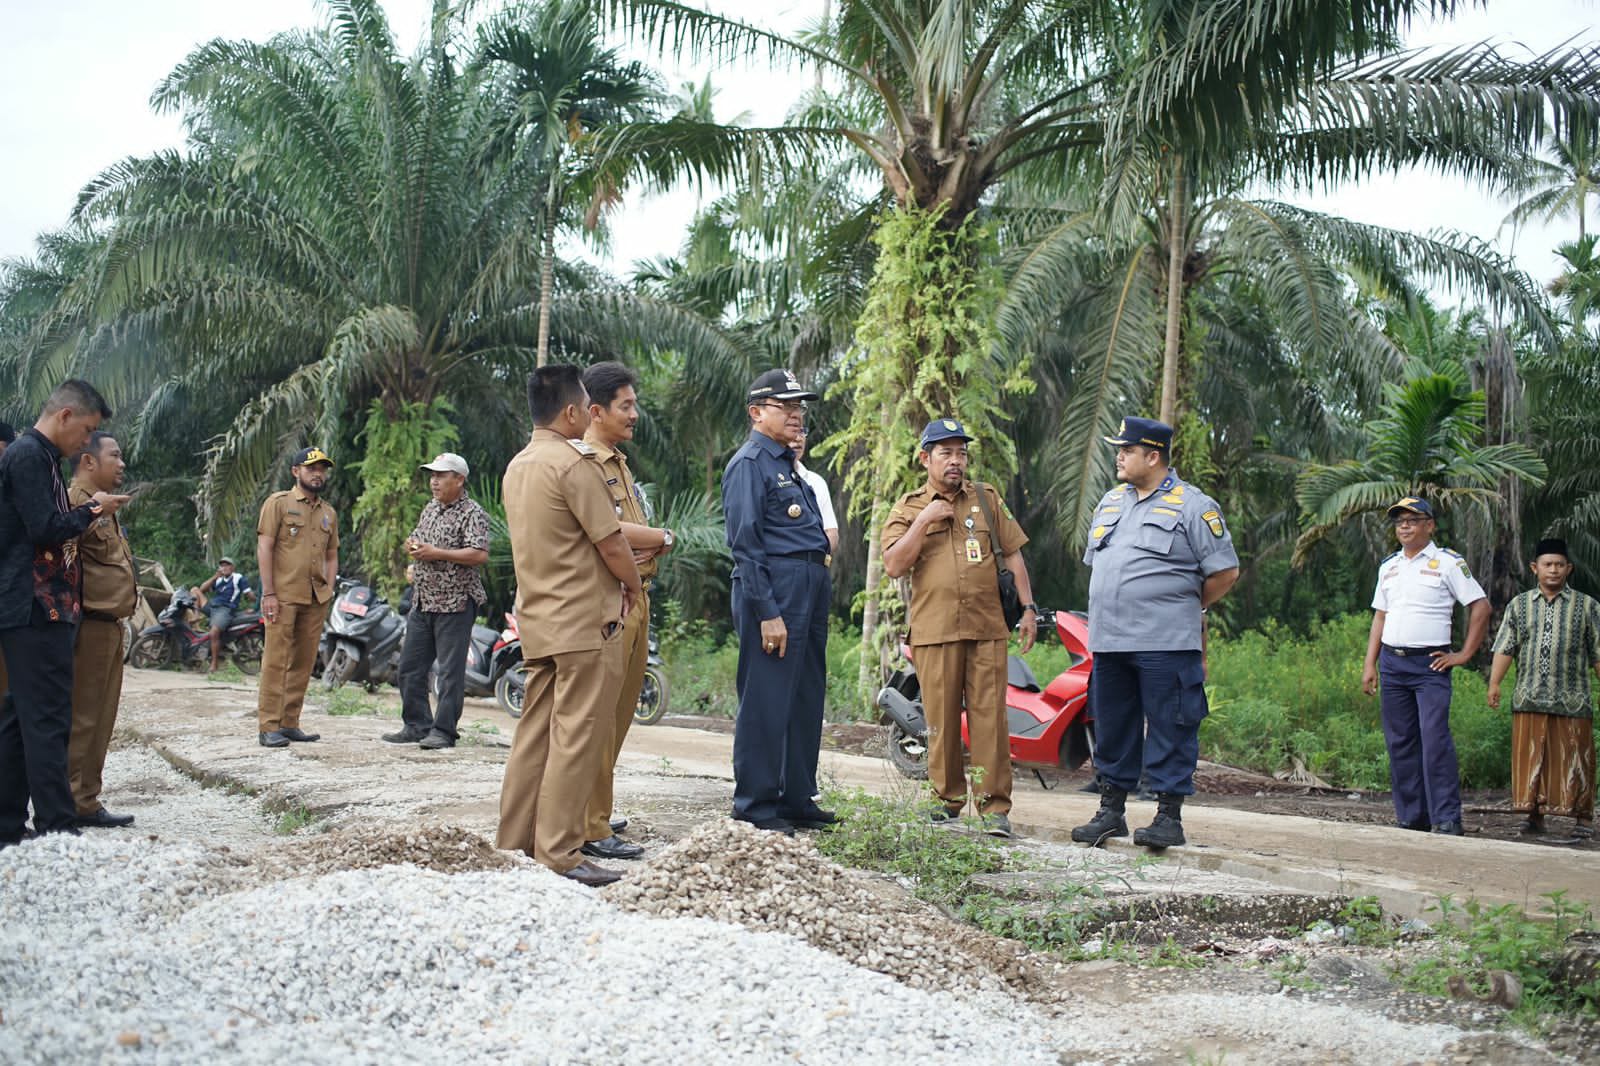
(613, 411)
(297, 552)
(939, 535)
(576, 582)
(110, 590)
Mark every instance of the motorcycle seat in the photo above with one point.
(1019, 675)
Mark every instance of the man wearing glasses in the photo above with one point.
(1418, 589)
(781, 593)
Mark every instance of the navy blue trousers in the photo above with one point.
(1423, 773)
(1147, 708)
(778, 733)
(35, 725)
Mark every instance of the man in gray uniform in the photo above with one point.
(1161, 555)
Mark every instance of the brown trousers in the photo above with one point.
(286, 664)
(1552, 765)
(967, 675)
(566, 713)
(96, 691)
(635, 641)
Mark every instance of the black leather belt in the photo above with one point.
(1403, 652)
(101, 616)
(820, 558)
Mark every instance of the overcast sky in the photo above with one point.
(76, 76)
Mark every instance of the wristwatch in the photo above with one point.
(1034, 607)
(666, 538)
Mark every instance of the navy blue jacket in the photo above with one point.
(769, 510)
(38, 535)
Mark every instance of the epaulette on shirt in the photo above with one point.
(1386, 558)
(582, 448)
(1453, 554)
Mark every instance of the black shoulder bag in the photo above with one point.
(1010, 600)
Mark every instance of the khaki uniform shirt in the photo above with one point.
(110, 586)
(955, 591)
(304, 531)
(557, 509)
(626, 499)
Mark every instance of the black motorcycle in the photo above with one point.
(361, 639)
(652, 694)
(172, 640)
(490, 653)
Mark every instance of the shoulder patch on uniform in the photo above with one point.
(1213, 519)
(1465, 572)
(580, 447)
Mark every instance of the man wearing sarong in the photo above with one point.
(1552, 632)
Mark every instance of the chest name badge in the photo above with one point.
(794, 510)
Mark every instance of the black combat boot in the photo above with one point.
(1109, 820)
(1167, 830)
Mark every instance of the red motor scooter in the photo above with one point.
(1051, 727)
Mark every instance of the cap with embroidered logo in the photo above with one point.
(1412, 504)
(1145, 431)
(447, 463)
(942, 429)
(310, 457)
(778, 384)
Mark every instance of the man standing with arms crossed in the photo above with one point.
(1161, 556)
(1418, 589)
(941, 536)
(613, 412)
(448, 545)
(297, 552)
(39, 607)
(576, 583)
(781, 595)
(110, 591)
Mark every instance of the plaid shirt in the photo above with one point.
(444, 587)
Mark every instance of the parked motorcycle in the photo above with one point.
(361, 639)
(653, 694)
(1050, 727)
(173, 640)
(490, 653)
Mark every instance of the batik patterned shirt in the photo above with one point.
(1556, 643)
(443, 587)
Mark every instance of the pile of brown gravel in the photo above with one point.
(730, 871)
(443, 848)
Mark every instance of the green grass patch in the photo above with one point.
(293, 820)
(351, 701)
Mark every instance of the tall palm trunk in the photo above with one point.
(547, 269)
(1175, 259)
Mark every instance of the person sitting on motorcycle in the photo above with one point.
(226, 588)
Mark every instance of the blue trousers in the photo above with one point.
(1423, 773)
(1147, 708)
(778, 732)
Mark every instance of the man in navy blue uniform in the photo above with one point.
(1161, 555)
(781, 593)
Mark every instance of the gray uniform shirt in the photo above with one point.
(1150, 558)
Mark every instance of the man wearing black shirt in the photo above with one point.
(40, 606)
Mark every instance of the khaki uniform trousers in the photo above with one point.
(96, 691)
(635, 641)
(286, 664)
(566, 710)
(970, 675)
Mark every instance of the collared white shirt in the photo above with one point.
(1419, 596)
(819, 488)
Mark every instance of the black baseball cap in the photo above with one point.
(778, 384)
(310, 457)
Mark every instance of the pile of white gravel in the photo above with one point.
(119, 945)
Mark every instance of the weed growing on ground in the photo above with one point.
(228, 673)
(293, 820)
(1368, 926)
(1291, 973)
(349, 701)
(1475, 938)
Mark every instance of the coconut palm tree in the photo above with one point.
(1549, 189)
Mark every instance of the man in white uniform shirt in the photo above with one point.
(1418, 589)
(819, 488)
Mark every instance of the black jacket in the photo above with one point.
(38, 535)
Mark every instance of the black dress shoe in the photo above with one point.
(274, 739)
(612, 848)
(618, 824)
(773, 825)
(436, 741)
(587, 873)
(406, 736)
(1449, 829)
(104, 819)
(1416, 827)
(815, 818)
(297, 734)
